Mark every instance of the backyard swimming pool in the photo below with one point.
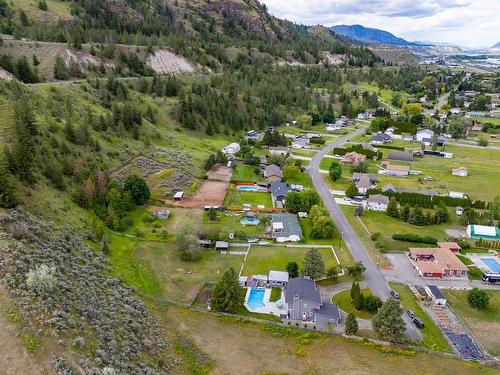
(249, 221)
(247, 188)
(256, 298)
(492, 264)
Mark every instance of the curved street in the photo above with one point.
(373, 277)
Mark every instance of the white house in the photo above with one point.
(457, 194)
(459, 210)
(231, 149)
(424, 133)
(461, 171)
(377, 202)
(333, 127)
(365, 116)
(285, 227)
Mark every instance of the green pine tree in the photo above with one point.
(392, 207)
(313, 266)
(351, 325)
(227, 294)
(388, 323)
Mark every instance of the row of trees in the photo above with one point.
(322, 224)
(301, 201)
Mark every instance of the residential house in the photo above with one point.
(299, 143)
(282, 151)
(221, 245)
(285, 227)
(365, 116)
(277, 279)
(333, 127)
(231, 149)
(394, 169)
(427, 141)
(364, 181)
(391, 189)
(406, 156)
(272, 173)
(453, 246)
(252, 134)
(377, 202)
(457, 194)
(455, 111)
(380, 139)
(279, 190)
(477, 127)
(461, 171)
(483, 231)
(436, 295)
(353, 158)
(304, 303)
(437, 262)
(424, 133)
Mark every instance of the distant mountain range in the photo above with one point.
(496, 46)
(377, 36)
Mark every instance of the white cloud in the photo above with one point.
(473, 23)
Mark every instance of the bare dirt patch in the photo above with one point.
(220, 173)
(5, 75)
(210, 193)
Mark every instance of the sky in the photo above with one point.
(467, 23)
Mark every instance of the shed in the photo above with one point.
(221, 245)
(436, 295)
(178, 196)
(204, 243)
(278, 278)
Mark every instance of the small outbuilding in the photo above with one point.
(437, 296)
(221, 245)
(278, 279)
(178, 195)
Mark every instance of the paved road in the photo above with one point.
(373, 276)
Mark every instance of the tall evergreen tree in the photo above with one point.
(7, 192)
(351, 325)
(388, 323)
(313, 266)
(227, 294)
(392, 207)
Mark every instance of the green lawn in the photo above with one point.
(306, 225)
(343, 300)
(482, 164)
(293, 175)
(263, 259)
(127, 265)
(465, 260)
(236, 197)
(246, 173)
(432, 337)
(229, 222)
(325, 163)
(275, 294)
(483, 324)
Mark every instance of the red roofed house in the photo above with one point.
(437, 262)
(453, 246)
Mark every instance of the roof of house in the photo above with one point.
(460, 169)
(388, 187)
(429, 267)
(369, 147)
(443, 256)
(378, 198)
(396, 167)
(303, 288)
(281, 276)
(221, 244)
(279, 188)
(400, 156)
(436, 292)
(357, 176)
(425, 131)
(330, 310)
(354, 156)
(449, 245)
(290, 224)
(381, 137)
(273, 170)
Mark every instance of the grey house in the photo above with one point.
(279, 190)
(304, 303)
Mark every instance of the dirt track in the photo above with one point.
(210, 193)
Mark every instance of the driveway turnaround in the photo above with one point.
(373, 276)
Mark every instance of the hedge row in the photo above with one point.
(391, 147)
(411, 237)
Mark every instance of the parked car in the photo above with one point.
(410, 313)
(418, 323)
(394, 294)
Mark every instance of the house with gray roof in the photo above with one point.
(279, 190)
(380, 139)
(364, 181)
(304, 303)
(273, 173)
(285, 227)
(377, 202)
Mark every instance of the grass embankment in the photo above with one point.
(432, 337)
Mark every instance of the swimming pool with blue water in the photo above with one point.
(256, 298)
(492, 264)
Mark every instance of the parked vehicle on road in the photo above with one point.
(491, 278)
(394, 294)
(418, 323)
(410, 313)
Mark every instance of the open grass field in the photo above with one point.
(249, 348)
(246, 173)
(383, 94)
(293, 175)
(343, 300)
(432, 337)
(236, 197)
(56, 9)
(263, 259)
(229, 222)
(483, 324)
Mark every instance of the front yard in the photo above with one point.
(236, 197)
(262, 259)
(343, 300)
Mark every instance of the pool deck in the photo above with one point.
(479, 263)
(269, 307)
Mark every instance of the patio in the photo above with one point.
(274, 308)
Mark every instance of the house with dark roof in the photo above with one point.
(279, 190)
(304, 303)
(285, 227)
(380, 139)
(436, 295)
(273, 173)
(377, 202)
